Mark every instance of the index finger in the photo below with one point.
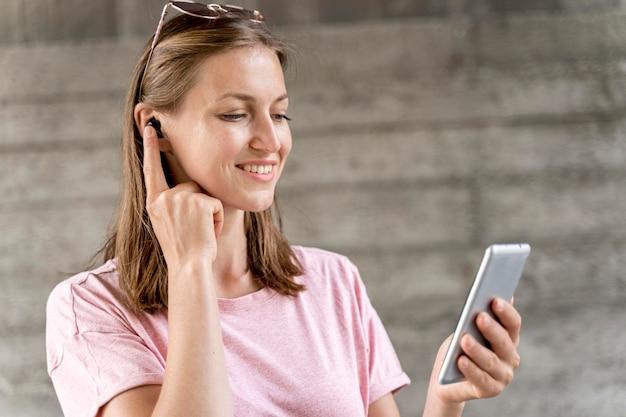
(154, 176)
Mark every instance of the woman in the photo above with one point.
(203, 308)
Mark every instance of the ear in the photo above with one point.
(142, 114)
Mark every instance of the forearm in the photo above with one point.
(196, 381)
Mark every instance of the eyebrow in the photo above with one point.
(246, 97)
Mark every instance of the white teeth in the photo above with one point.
(259, 169)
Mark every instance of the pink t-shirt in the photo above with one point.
(324, 353)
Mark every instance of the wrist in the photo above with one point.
(190, 276)
(195, 267)
(435, 407)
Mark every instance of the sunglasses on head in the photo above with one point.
(206, 11)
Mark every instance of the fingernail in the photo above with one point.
(499, 304)
(484, 318)
(145, 131)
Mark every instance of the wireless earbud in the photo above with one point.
(156, 125)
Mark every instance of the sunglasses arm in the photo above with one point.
(154, 41)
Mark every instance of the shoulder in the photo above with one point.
(100, 283)
(321, 259)
(333, 276)
(331, 268)
(80, 301)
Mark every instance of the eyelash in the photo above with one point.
(228, 116)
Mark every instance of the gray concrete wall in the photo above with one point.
(456, 133)
(36, 21)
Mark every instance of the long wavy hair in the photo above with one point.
(183, 43)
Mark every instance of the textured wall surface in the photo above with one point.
(417, 143)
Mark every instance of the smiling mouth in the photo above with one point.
(266, 170)
(265, 177)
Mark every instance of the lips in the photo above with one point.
(263, 177)
(257, 162)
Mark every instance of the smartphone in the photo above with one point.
(498, 275)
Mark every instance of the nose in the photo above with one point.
(264, 135)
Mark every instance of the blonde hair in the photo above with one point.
(183, 43)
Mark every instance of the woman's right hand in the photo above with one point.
(186, 221)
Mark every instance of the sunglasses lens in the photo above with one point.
(204, 10)
(195, 8)
(238, 11)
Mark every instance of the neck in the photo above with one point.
(231, 260)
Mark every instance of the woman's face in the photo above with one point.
(232, 115)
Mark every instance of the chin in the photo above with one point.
(255, 208)
(261, 203)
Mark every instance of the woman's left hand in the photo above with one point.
(487, 371)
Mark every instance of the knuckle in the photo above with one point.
(163, 197)
(151, 204)
(154, 213)
(495, 389)
(483, 379)
(183, 186)
(177, 197)
(215, 203)
(490, 389)
(192, 185)
(508, 376)
(493, 361)
(516, 360)
(499, 334)
(205, 199)
(162, 201)
(477, 392)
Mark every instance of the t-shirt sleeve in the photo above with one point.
(385, 371)
(92, 355)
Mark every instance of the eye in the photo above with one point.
(233, 117)
(282, 117)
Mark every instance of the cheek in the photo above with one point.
(198, 159)
(286, 146)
